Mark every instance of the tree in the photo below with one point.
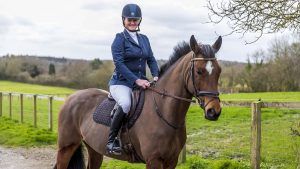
(34, 71)
(257, 16)
(95, 64)
(51, 69)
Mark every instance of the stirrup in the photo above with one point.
(115, 150)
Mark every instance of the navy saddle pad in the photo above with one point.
(102, 114)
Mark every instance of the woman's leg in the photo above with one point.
(122, 95)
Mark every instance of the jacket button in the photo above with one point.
(140, 65)
(140, 59)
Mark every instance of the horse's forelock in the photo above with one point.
(207, 51)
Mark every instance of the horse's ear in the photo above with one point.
(217, 44)
(194, 45)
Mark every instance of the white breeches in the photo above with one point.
(122, 95)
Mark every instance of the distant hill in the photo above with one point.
(78, 73)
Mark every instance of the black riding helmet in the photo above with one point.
(132, 11)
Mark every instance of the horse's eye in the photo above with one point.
(200, 71)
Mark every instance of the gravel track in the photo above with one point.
(23, 158)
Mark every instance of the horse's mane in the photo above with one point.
(180, 50)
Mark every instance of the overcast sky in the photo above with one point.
(85, 29)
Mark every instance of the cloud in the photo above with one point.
(5, 23)
(100, 6)
(23, 21)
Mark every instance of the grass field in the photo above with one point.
(221, 144)
(7, 86)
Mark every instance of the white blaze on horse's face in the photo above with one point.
(209, 67)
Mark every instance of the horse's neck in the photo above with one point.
(173, 82)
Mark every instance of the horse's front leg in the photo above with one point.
(155, 163)
(170, 164)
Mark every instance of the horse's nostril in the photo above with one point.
(211, 114)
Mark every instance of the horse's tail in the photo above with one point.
(77, 160)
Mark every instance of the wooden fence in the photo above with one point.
(34, 104)
(255, 125)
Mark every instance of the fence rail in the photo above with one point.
(21, 106)
(289, 105)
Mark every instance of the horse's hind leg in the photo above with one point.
(94, 159)
(65, 154)
(154, 164)
(171, 164)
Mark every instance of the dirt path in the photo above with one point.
(32, 158)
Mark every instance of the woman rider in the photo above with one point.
(131, 51)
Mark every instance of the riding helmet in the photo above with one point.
(131, 11)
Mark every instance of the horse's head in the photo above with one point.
(204, 75)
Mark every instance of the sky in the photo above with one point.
(85, 29)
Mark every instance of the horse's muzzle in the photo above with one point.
(212, 115)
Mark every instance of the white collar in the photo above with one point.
(131, 33)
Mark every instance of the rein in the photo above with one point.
(164, 93)
(197, 93)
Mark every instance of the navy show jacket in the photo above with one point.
(130, 59)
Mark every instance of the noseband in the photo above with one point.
(200, 94)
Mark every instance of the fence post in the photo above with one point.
(256, 135)
(34, 110)
(50, 114)
(21, 107)
(182, 155)
(10, 105)
(0, 104)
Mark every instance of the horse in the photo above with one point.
(159, 133)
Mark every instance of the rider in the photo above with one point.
(131, 51)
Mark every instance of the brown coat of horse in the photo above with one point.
(155, 141)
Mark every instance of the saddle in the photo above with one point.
(104, 114)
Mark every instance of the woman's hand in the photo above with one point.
(142, 83)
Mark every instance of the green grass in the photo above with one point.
(42, 111)
(7, 86)
(13, 133)
(265, 96)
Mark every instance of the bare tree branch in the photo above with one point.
(257, 16)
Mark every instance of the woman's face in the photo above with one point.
(131, 23)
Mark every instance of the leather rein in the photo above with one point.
(199, 94)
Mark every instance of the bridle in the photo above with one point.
(198, 94)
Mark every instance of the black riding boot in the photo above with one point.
(113, 146)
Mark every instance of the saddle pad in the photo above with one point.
(103, 110)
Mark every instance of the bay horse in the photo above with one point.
(159, 134)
